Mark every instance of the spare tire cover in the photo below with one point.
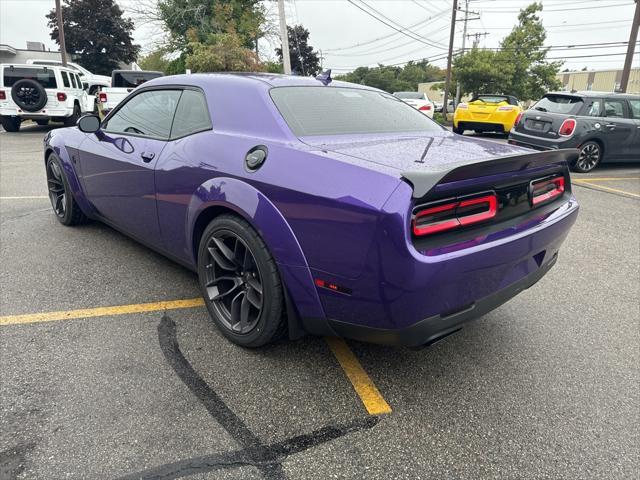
(29, 95)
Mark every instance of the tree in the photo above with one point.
(96, 34)
(304, 60)
(185, 18)
(221, 52)
(393, 78)
(518, 68)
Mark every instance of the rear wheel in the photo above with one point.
(64, 205)
(42, 123)
(10, 124)
(240, 283)
(589, 158)
(458, 130)
(73, 119)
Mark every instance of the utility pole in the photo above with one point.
(476, 36)
(464, 38)
(284, 38)
(447, 82)
(321, 57)
(626, 71)
(63, 49)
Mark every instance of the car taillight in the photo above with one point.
(505, 108)
(425, 108)
(3, 95)
(463, 106)
(61, 96)
(567, 127)
(102, 97)
(454, 214)
(518, 118)
(545, 189)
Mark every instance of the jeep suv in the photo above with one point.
(604, 126)
(39, 93)
(92, 82)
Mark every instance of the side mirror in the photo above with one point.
(89, 123)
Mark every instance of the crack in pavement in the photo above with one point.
(267, 459)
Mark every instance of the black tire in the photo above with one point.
(589, 158)
(29, 95)
(73, 119)
(11, 124)
(458, 130)
(240, 283)
(43, 123)
(64, 205)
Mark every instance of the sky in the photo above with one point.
(345, 33)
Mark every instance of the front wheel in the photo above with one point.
(64, 205)
(11, 124)
(589, 157)
(240, 283)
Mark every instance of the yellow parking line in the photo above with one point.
(26, 197)
(362, 383)
(609, 189)
(100, 311)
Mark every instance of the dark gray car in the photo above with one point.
(605, 127)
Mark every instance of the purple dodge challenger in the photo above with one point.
(316, 206)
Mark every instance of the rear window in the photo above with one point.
(409, 95)
(133, 78)
(559, 104)
(339, 110)
(491, 98)
(44, 76)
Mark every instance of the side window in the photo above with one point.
(149, 113)
(78, 82)
(73, 80)
(65, 79)
(635, 108)
(613, 108)
(192, 115)
(593, 107)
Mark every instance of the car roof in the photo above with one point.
(593, 93)
(32, 65)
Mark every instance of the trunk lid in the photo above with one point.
(541, 124)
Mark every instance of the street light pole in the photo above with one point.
(284, 38)
(447, 82)
(63, 49)
(626, 71)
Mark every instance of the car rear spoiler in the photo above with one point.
(429, 176)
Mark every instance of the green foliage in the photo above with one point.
(186, 18)
(304, 61)
(155, 61)
(96, 34)
(395, 79)
(519, 68)
(272, 67)
(219, 53)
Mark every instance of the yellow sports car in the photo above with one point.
(487, 113)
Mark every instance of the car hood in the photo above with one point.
(413, 151)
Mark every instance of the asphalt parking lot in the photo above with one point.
(546, 386)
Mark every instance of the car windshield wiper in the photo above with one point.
(542, 109)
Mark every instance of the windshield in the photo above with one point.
(410, 95)
(44, 76)
(132, 78)
(339, 110)
(491, 99)
(559, 104)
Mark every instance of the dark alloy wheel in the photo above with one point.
(64, 205)
(240, 282)
(29, 95)
(589, 158)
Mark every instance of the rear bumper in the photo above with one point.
(540, 143)
(481, 126)
(45, 113)
(436, 327)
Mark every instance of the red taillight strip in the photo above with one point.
(458, 219)
(538, 185)
(3, 95)
(490, 200)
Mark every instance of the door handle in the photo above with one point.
(147, 156)
(610, 125)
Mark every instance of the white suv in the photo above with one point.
(39, 93)
(93, 82)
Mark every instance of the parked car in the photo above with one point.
(417, 100)
(311, 205)
(486, 113)
(91, 82)
(604, 126)
(32, 92)
(122, 83)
